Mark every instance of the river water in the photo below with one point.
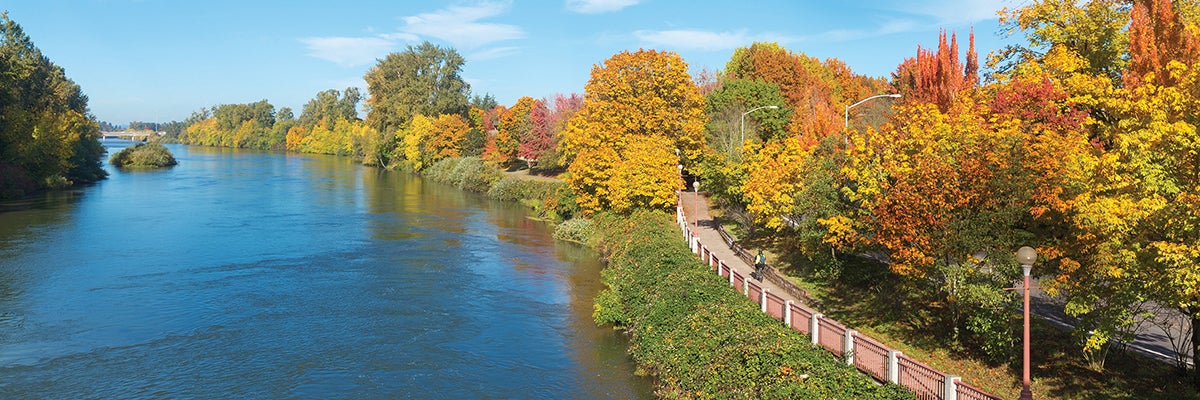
(243, 274)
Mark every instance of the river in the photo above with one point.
(247, 274)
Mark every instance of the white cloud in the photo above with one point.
(349, 51)
(954, 12)
(704, 40)
(494, 53)
(598, 6)
(461, 26)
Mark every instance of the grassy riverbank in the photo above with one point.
(550, 199)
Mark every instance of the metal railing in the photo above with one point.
(866, 354)
(926, 382)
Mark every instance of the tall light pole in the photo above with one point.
(1026, 256)
(846, 117)
(743, 142)
(696, 203)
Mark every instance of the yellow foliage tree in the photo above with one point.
(645, 172)
(646, 97)
(773, 177)
(414, 140)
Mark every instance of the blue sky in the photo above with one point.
(160, 60)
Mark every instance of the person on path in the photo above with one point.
(760, 262)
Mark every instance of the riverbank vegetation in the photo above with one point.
(48, 139)
(550, 200)
(1079, 142)
(143, 155)
(697, 337)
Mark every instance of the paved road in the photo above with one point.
(1150, 341)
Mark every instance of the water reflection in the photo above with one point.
(255, 274)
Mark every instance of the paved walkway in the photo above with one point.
(696, 209)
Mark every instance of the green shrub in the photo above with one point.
(469, 173)
(151, 155)
(577, 230)
(699, 337)
(515, 189)
(560, 203)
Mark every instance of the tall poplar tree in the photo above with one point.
(420, 80)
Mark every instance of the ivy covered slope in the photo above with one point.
(700, 338)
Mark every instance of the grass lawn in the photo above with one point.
(1058, 371)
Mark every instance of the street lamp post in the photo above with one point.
(743, 130)
(696, 203)
(1026, 256)
(846, 117)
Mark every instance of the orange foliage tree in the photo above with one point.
(1157, 36)
(515, 126)
(937, 77)
(452, 131)
(815, 92)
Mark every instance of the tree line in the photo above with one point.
(48, 139)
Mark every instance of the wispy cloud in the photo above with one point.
(348, 51)
(598, 6)
(954, 12)
(460, 26)
(494, 53)
(692, 39)
(704, 40)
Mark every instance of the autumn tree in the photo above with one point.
(515, 127)
(639, 109)
(451, 134)
(1092, 30)
(1157, 36)
(565, 106)
(413, 142)
(937, 77)
(808, 86)
(1125, 239)
(724, 168)
(540, 138)
(48, 139)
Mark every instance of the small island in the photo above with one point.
(151, 155)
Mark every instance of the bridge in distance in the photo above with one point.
(129, 135)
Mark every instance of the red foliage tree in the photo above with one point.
(541, 135)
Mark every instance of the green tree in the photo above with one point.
(332, 105)
(725, 106)
(47, 136)
(421, 80)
